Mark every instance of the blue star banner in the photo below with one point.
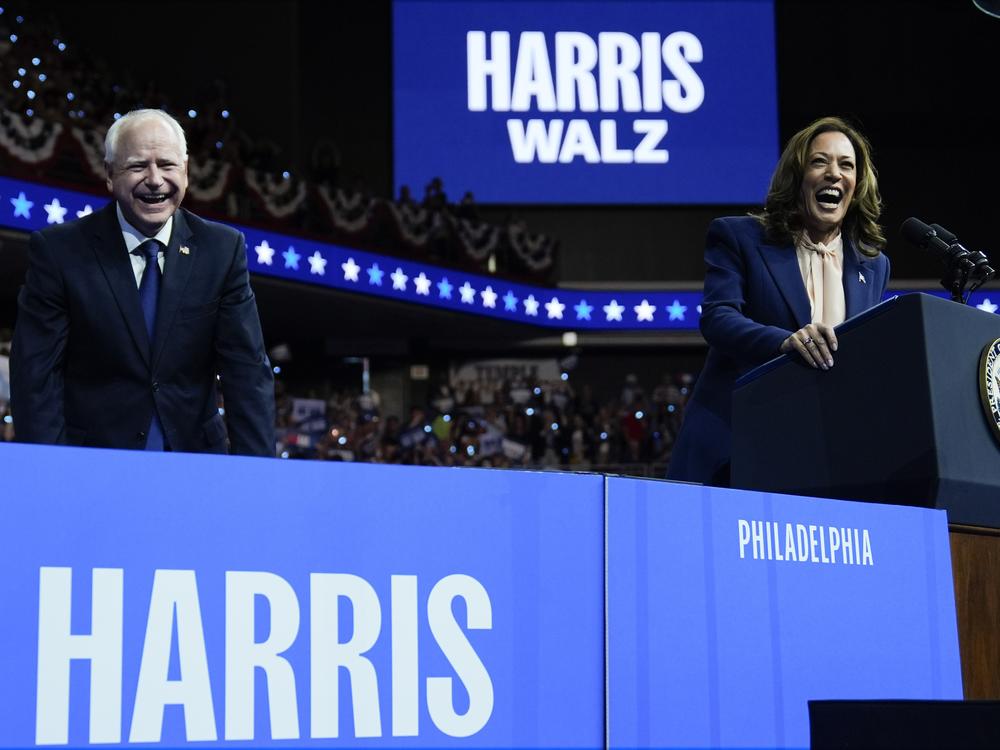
(358, 271)
(29, 206)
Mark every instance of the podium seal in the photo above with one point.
(989, 385)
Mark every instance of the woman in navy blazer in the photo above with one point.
(756, 305)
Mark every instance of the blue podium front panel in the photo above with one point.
(728, 611)
(172, 599)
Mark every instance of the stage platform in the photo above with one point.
(185, 599)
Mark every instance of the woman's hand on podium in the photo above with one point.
(815, 343)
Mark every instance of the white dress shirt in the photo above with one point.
(134, 238)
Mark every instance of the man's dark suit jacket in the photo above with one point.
(754, 299)
(83, 371)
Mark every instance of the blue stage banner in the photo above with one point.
(174, 599)
(560, 101)
(728, 611)
(27, 206)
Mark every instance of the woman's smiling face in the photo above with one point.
(827, 185)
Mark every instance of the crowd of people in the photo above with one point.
(509, 424)
(505, 424)
(56, 101)
(517, 425)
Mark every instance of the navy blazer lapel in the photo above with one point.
(178, 261)
(783, 264)
(859, 281)
(109, 246)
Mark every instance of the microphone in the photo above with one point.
(963, 266)
(928, 238)
(925, 237)
(982, 271)
(944, 234)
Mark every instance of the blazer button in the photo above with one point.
(140, 436)
(156, 386)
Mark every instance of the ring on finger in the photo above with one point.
(807, 340)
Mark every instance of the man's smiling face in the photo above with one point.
(148, 176)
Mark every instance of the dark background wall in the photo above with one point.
(920, 78)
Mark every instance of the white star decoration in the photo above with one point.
(56, 213)
(614, 311)
(468, 293)
(644, 311)
(351, 270)
(399, 279)
(317, 264)
(555, 308)
(85, 211)
(265, 253)
(531, 305)
(489, 297)
(423, 284)
(988, 306)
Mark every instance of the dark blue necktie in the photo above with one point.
(149, 295)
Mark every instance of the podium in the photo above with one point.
(898, 419)
(917, 725)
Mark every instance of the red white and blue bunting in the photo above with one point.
(208, 179)
(350, 213)
(33, 141)
(92, 145)
(479, 240)
(280, 196)
(536, 251)
(415, 223)
(30, 141)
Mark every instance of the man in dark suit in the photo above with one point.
(128, 316)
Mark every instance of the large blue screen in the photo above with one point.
(586, 102)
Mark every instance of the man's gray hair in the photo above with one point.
(134, 118)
